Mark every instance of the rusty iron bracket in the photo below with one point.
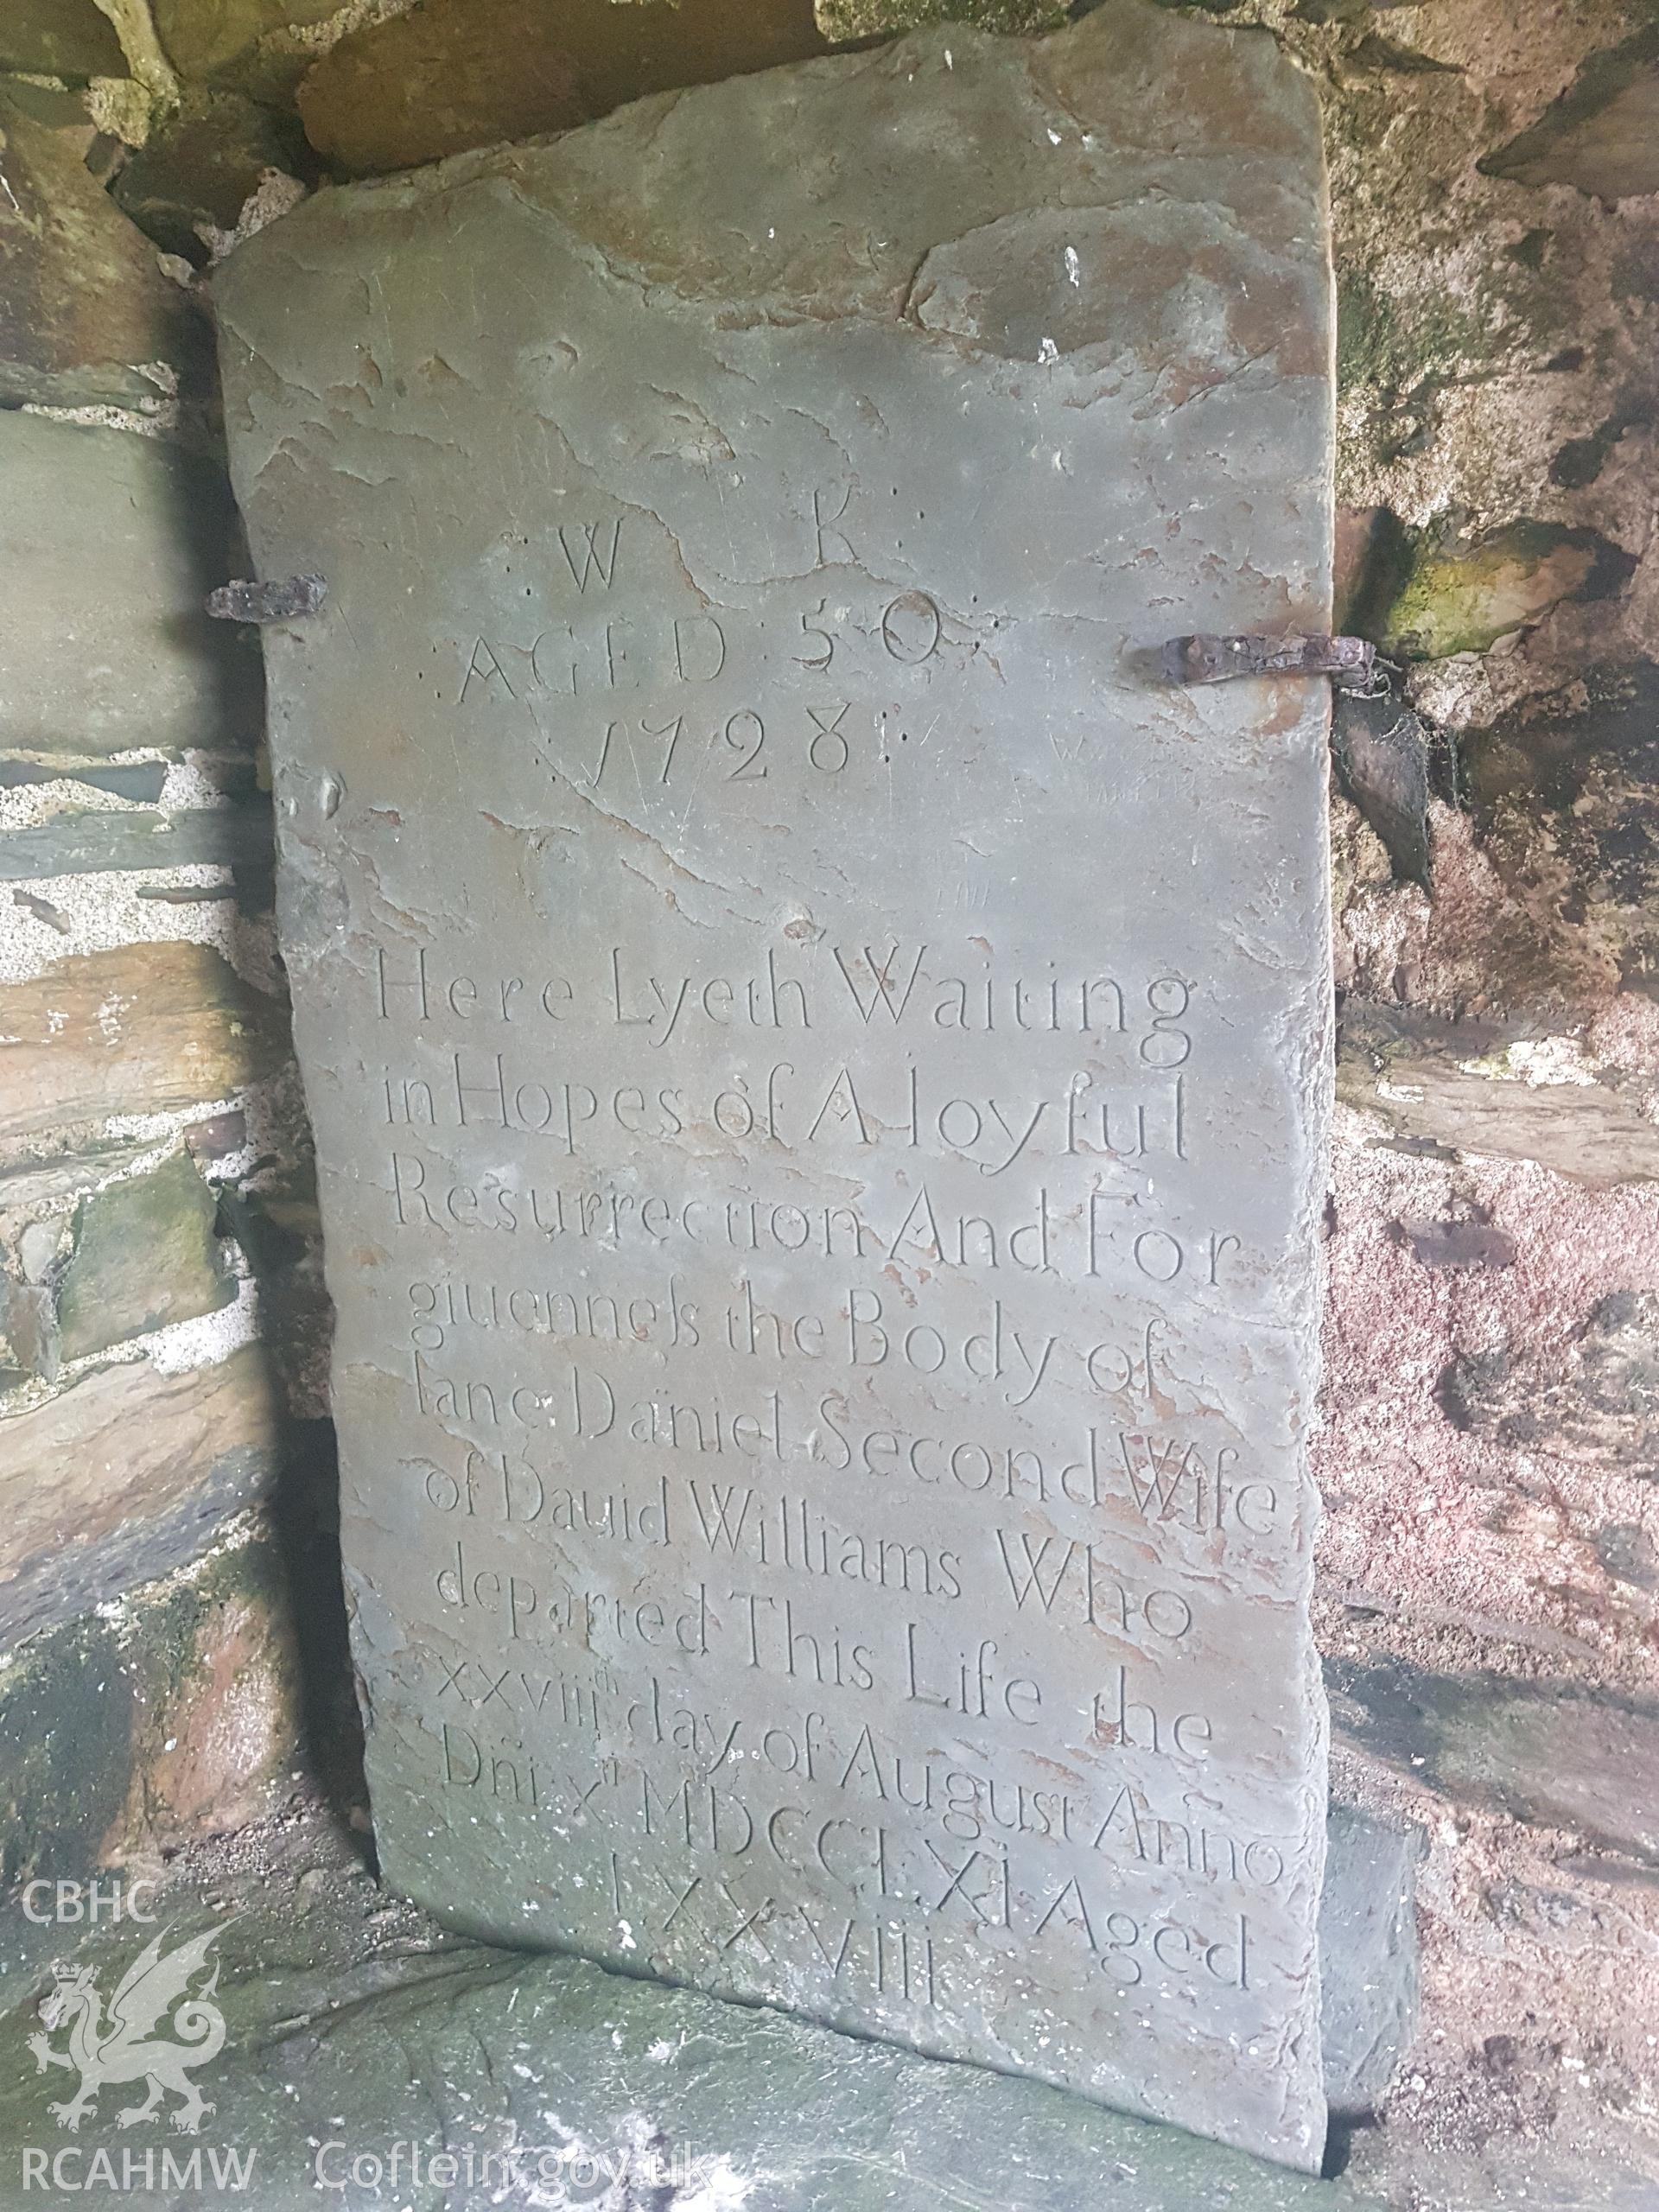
(287, 601)
(1203, 660)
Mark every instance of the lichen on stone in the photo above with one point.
(1462, 595)
(845, 20)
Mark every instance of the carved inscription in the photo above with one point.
(818, 1071)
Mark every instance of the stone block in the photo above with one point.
(1382, 754)
(1461, 597)
(145, 1028)
(240, 44)
(101, 840)
(195, 174)
(74, 39)
(1602, 134)
(220, 1731)
(122, 1477)
(1455, 1084)
(174, 1711)
(111, 542)
(1551, 1753)
(136, 779)
(28, 1341)
(67, 1709)
(456, 73)
(355, 2030)
(84, 305)
(1369, 1964)
(142, 1254)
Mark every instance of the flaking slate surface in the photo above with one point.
(819, 1057)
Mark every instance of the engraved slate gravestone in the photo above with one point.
(818, 1056)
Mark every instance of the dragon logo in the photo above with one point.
(124, 2048)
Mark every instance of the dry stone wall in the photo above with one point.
(155, 1191)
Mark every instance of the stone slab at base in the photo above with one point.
(355, 2029)
(351, 2018)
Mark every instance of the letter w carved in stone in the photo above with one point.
(722, 1514)
(1026, 1576)
(1158, 1469)
(881, 989)
(586, 553)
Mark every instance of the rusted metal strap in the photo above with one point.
(244, 601)
(1203, 660)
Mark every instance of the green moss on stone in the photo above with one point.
(86, 1711)
(66, 1728)
(1388, 344)
(1461, 596)
(144, 1256)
